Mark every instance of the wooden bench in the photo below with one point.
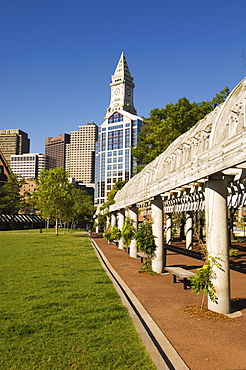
(142, 256)
(180, 273)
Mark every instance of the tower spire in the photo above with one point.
(122, 69)
(121, 89)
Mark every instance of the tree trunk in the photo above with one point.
(56, 227)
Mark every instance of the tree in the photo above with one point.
(54, 195)
(11, 201)
(82, 207)
(164, 125)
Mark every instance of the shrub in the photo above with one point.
(146, 241)
(202, 281)
(112, 234)
(127, 232)
(102, 220)
(107, 235)
(233, 252)
(115, 233)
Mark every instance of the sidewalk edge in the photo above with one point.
(158, 346)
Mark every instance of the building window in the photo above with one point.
(115, 127)
(115, 139)
(127, 139)
(116, 117)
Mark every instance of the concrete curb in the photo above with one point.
(159, 348)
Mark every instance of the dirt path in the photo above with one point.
(202, 343)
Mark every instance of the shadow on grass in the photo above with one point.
(80, 235)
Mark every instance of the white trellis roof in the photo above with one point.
(215, 144)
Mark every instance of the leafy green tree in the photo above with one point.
(27, 202)
(82, 207)
(164, 125)
(11, 202)
(54, 195)
(221, 97)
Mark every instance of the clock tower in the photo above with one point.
(121, 89)
(117, 135)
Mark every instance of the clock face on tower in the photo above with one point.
(117, 91)
(128, 92)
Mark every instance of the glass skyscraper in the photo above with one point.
(117, 134)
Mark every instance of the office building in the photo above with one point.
(13, 141)
(30, 165)
(56, 148)
(4, 170)
(80, 153)
(117, 134)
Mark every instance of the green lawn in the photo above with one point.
(58, 308)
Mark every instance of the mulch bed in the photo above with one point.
(205, 313)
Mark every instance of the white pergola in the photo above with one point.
(200, 169)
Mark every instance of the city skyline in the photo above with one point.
(58, 57)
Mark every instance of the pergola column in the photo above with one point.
(107, 222)
(168, 228)
(158, 262)
(121, 219)
(189, 230)
(113, 219)
(217, 240)
(133, 214)
(97, 226)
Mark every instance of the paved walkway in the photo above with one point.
(201, 343)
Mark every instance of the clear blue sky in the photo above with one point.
(57, 57)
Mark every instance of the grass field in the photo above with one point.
(58, 308)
